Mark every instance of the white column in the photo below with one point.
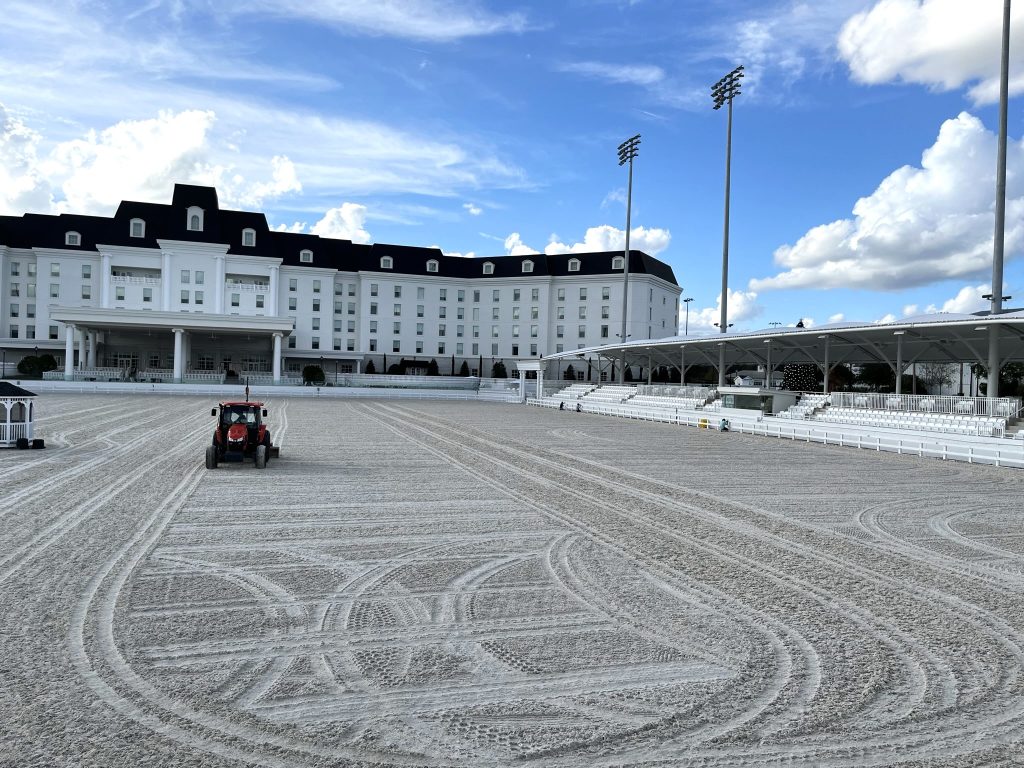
(522, 386)
(81, 349)
(179, 334)
(275, 280)
(277, 356)
(69, 352)
(105, 280)
(91, 355)
(540, 383)
(218, 279)
(165, 281)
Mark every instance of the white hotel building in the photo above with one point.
(189, 288)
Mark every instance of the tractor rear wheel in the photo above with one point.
(261, 456)
(211, 457)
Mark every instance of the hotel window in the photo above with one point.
(185, 277)
(560, 313)
(396, 346)
(515, 313)
(398, 291)
(534, 313)
(419, 329)
(421, 292)
(293, 284)
(350, 345)
(316, 286)
(419, 347)
(373, 307)
(460, 330)
(515, 350)
(515, 331)
(561, 294)
(55, 291)
(291, 342)
(397, 312)
(316, 342)
(30, 310)
(147, 295)
(618, 262)
(15, 309)
(306, 257)
(87, 271)
(396, 328)
(373, 289)
(419, 310)
(15, 290)
(494, 348)
(440, 347)
(119, 293)
(30, 331)
(373, 326)
(527, 266)
(15, 268)
(31, 267)
(315, 323)
(476, 296)
(293, 304)
(53, 331)
(200, 277)
(494, 331)
(184, 297)
(259, 301)
(432, 266)
(14, 331)
(351, 308)
(337, 326)
(72, 238)
(459, 349)
(30, 290)
(516, 293)
(441, 329)
(583, 331)
(351, 326)
(533, 350)
(248, 238)
(316, 305)
(199, 297)
(460, 313)
(352, 289)
(195, 219)
(488, 268)
(495, 313)
(476, 331)
(560, 331)
(339, 307)
(606, 293)
(443, 294)
(386, 262)
(561, 348)
(574, 265)
(604, 313)
(583, 294)
(138, 228)
(461, 295)
(337, 344)
(534, 331)
(54, 270)
(475, 349)
(604, 331)
(495, 295)
(583, 313)
(86, 292)
(442, 311)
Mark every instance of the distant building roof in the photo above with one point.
(13, 390)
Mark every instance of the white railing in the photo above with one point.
(247, 287)
(1007, 407)
(10, 433)
(675, 390)
(87, 374)
(132, 280)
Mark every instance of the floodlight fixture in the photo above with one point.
(628, 151)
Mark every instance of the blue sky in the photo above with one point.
(864, 145)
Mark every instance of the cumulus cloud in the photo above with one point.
(457, 254)
(514, 246)
(943, 44)
(838, 317)
(473, 210)
(742, 306)
(346, 222)
(608, 238)
(23, 187)
(967, 300)
(631, 74)
(920, 226)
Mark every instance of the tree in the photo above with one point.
(464, 369)
(800, 377)
(628, 375)
(370, 367)
(395, 370)
(935, 375)
(841, 378)
(36, 366)
(432, 369)
(498, 371)
(313, 374)
(1011, 379)
(876, 376)
(570, 373)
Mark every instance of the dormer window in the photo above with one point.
(195, 219)
(249, 238)
(574, 265)
(488, 268)
(618, 262)
(386, 262)
(306, 257)
(432, 265)
(137, 228)
(527, 266)
(72, 238)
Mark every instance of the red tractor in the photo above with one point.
(240, 434)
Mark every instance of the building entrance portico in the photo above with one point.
(170, 345)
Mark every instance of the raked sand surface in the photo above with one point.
(466, 584)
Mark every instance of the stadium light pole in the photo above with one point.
(722, 93)
(628, 150)
(686, 325)
(997, 241)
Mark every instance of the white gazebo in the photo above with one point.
(17, 414)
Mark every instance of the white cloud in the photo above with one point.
(887, 318)
(920, 226)
(943, 44)
(632, 74)
(430, 20)
(608, 238)
(742, 306)
(297, 227)
(346, 222)
(514, 246)
(473, 210)
(838, 317)
(467, 255)
(617, 195)
(23, 187)
(967, 300)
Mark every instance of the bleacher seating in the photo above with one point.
(805, 408)
(961, 424)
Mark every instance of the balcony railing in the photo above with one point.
(1006, 407)
(132, 280)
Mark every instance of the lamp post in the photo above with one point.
(686, 325)
(628, 150)
(997, 240)
(722, 93)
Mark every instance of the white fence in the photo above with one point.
(9, 433)
(1007, 407)
(997, 451)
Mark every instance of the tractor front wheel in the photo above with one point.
(211, 457)
(261, 456)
